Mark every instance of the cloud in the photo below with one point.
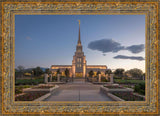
(129, 57)
(28, 38)
(109, 45)
(135, 48)
(105, 45)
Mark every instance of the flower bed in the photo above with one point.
(43, 87)
(120, 81)
(30, 96)
(128, 96)
(113, 87)
(18, 89)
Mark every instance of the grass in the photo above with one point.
(29, 81)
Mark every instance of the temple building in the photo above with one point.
(79, 67)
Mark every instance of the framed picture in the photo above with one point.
(79, 58)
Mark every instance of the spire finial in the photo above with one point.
(79, 22)
(79, 38)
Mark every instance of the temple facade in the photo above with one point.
(79, 67)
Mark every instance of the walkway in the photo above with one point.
(78, 91)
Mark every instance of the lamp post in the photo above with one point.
(32, 76)
(123, 76)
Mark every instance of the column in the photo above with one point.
(99, 77)
(111, 78)
(58, 77)
(50, 77)
(45, 78)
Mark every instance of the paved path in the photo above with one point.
(78, 91)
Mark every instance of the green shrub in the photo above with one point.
(105, 80)
(117, 77)
(120, 81)
(18, 89)
(54, 78)
(140, 88)
(29, 81)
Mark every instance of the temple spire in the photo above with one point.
(79, 37)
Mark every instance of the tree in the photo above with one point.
(16, 74)
(37, 71)
(58, 71)
(67, 72)
(91, 73)
(20, 70)
(108, 71)
(47, 71)
(137, 73)
(119, 72)
(98, 72)
(143, 76)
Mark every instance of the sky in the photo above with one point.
(117, 41)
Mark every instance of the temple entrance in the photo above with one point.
(79, 74)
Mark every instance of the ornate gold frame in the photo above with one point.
(10, 9)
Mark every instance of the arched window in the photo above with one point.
(78, 59)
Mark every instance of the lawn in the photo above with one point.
(29, 81)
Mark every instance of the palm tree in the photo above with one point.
(98, 72)
(58, 71)
(21, 70)
(108, 71)
(119, 72)
(91, 73)
(47, 71)
(67, 74)
(37, 71)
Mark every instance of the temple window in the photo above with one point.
(79, 50)
(78, 59)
